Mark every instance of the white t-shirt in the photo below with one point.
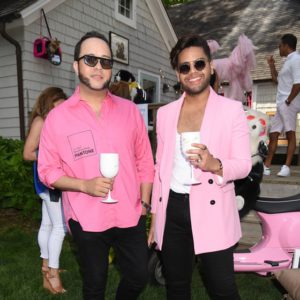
(182, 169)
(287, 77)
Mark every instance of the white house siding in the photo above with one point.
(68, 22)
(9, 111)
(265, 96)
(147, 50)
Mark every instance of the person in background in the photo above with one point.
(287, 101)
(91, 122)
(52, 230)
(198, 219)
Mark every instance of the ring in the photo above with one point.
(204, 148)
(199, 159)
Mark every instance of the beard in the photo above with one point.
(86, 81)
(196, 90)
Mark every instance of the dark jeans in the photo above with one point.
(130, 246)
(178, 257)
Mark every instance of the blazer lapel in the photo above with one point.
(209, 119)
(208, 124)
(170, 132)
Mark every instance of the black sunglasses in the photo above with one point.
(199, 65)
(91, 61)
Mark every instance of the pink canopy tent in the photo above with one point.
(236, 68)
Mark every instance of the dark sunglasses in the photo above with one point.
(185, 68)
(91, 61)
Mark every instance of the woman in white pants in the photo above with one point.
(52, 230)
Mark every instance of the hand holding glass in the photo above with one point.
(187, 139)
(109, 167)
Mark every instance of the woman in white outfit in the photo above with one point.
(52, 230)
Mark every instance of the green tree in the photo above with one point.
(16, 179)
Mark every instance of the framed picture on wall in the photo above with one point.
(120, 48)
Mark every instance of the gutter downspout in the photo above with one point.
(19, 77)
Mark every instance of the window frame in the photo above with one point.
(121, 18)
(142, 74)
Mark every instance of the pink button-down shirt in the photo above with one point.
(71, 141)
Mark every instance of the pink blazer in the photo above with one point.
(214, 215)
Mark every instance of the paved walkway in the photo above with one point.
(293, 179)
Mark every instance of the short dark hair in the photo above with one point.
(290, 40)
(88, 35)
(186, 42)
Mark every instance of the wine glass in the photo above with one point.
(187, 139)
(109, 167)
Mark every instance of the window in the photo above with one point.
(125, 8)
(151, 84)
(125, 12)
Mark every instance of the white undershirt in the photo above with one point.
(181, 173)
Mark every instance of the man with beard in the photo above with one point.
(93, 121)
(198, 218)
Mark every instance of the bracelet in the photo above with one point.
(146, 205)
(220, 165)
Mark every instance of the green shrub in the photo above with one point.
(16, 179)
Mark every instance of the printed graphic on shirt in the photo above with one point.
(82, 144)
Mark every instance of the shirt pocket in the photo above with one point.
(82, 144)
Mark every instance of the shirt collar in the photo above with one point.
(75, 98)
(292, 54)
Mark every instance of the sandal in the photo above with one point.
(45, 269)
(46, 284)
(54, 283)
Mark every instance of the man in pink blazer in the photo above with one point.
(198, 219)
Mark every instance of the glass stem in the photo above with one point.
(192, 172)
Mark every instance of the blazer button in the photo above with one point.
(160, 199)
(212, 202)
(210, 181)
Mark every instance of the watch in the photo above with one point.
(147, 206)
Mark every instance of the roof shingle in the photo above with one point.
(10, 9)
(263, 21)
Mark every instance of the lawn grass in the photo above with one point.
(21, 275)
